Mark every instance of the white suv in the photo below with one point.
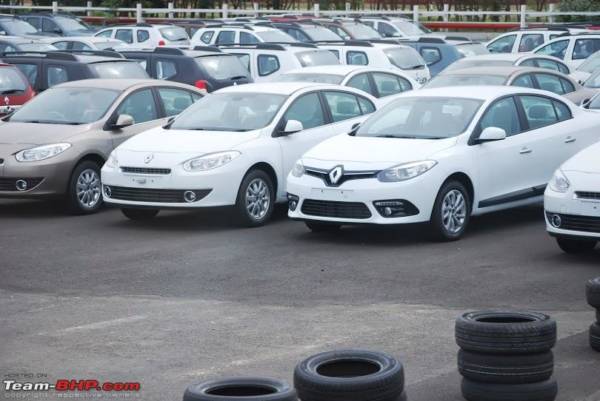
(573, 50)
(226, 35)
(266, 61)
(395, 27)
(523, 41)
(146, 36)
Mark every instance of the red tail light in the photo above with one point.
(161, 43)
(201, 84)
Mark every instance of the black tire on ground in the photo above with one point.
(140, 214)
(505, 332)
(592, 293)
(256, 179)
(349, 375)
(575, 245)
(76, 206)
(540, 391)
(506, 369)
(243, 389)
(595, 336)
(598, 316)
(317, 227)
(439, 232)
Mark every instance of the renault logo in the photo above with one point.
(336, 174)
(148, 158)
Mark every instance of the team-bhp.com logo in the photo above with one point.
(65, 385)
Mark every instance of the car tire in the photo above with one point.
(448, 210)
(575, 246)
(540, 391)
(84, 194)
(506, 369)
(256, 192)
(317, 227)
(349, 375)
(505, 332)
(140, 214)
(595, 336)
(592, 294)
(243, 389)
(598, 316)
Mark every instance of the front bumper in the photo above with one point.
(45, 179)
(570, 216)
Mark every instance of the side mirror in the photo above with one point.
(354, 128)
(57, 30)
(491, 134)
(124, 120)
(291, 127)
(585, 103)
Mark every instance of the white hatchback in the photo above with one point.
(234, 147)
(439, 156)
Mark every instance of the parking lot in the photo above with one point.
(188, 297)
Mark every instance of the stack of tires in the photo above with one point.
(350, 375)
(241, 389)
(506, 356)
(592, 292)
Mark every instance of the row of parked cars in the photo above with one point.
(360, 143)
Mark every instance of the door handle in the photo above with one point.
(525, 151)
(570, 139)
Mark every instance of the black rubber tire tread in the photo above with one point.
(592, 293)
(575, 246)
(595, 336)
(540, 391)
(535, 336)
(598, 316)
(385, 385)
(199, 392)
(506, 369)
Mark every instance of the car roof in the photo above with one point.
(116, 84)
(482, 92)
(93, 39)
(91, 59)
(505, 71)
(338, 69)
(277, 88)
(16, 39)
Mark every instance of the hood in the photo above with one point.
(160, 140)
(364, 153)
(38, 134)
(585, 161)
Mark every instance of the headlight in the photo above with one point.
(298, 170)
(41, 152)
(405, 171)
(210, 161)
(559, 182)
(112, 161)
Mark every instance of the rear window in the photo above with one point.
(119, 69)
(174, 33)
(223, 67)
(11, 81)
(318, 33)
(317, 57)
(405, 58)
(276, 36)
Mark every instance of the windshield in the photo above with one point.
(318, 33)
(66, 106)
(275, 36)
(174, 33)
(119, 69)
(11, 81)
(230, 112)
(405, 58)
(421, 118)
(70, 24)
(311, 77)
(468, 63)
(223, 67)
(466, 80)
(317, 57)
(37, 47)
(409, 28)
(361, 31)
(472, 49)
(591, 64)
(593, 81)
(17, 27)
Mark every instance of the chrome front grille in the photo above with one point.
(588, 195)
(146, 170)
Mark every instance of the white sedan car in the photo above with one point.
(572, 202)
(232, 148)
(439, 156)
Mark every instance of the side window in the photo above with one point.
(139, 105)
(528, 63)
(502, 114)
(361, 81)
(431, 55)
(244, 59)
(388, 84)
(226, 38)
(165, 69)
(267, 64)
(369, 23)
(298, 35)
(143, 35)
(247, 39)
(530, 41)
(342, 105)
(502, 45)
(105, 34)
(550, 83)
(207, 36)
(30, 71)
(56, 75)
(563, 68)
(584, 48)
(174, 101)
(568, 87)
(126, 35)
(365, 105)
(547, 64)
(336, 53)
(539, 111)
(556, 49)
(64, 45)
(35, 21)
(306, 109)
(562, 111)
(524, 80)
(386, 30)
(356, 58)
(80, 46)
(49, 26)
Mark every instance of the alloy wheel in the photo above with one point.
(88, 188)
(258, 199)
(454, 211)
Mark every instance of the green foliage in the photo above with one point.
(578, 5)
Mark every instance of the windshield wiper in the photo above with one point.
(237, 77)
(414, 67)
(9, 91)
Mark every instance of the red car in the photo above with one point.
(15, 89)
